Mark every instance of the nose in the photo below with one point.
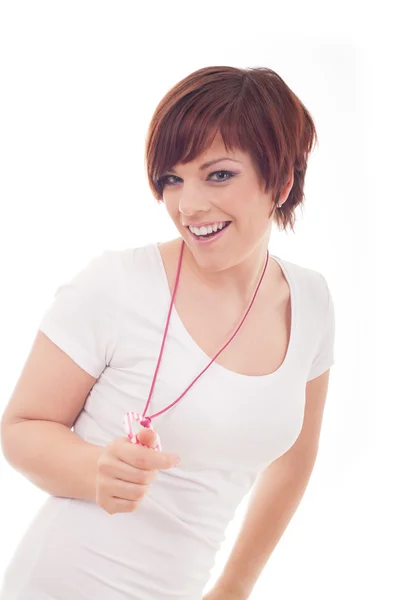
(192, 203)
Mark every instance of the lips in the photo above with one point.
(225, 224)
(199, 225)
(209, 240)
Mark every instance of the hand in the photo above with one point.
(125, 470)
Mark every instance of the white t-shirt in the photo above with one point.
(110, 320)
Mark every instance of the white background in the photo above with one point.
(79, 83)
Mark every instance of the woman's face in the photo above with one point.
(228, 190)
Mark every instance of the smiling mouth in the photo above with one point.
(210, 235)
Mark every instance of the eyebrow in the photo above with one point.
(211, 162)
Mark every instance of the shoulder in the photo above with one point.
(133, 257)
(307, 283)
(105, 273)
(139, 269)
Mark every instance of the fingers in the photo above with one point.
(141, 457)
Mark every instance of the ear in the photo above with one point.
(288, 186)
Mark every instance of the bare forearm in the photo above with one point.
(274, 500)
(52, 457)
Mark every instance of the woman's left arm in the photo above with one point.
(275, 498)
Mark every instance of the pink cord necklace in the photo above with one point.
(133, 421)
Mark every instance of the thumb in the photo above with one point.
(147, 437)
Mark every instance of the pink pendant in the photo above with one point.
(133, 423)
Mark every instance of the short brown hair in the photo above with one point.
(253, 109)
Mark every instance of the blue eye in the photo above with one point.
(164, 180)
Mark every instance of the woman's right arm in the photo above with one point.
(36, 436)
(37, 440)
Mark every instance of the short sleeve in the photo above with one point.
(83, 318)
(324, 357)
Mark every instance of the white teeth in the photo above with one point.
(209, 229)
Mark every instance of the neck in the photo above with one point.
(238, 281)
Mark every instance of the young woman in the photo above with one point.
(205, 347)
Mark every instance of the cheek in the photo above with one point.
(170, 206)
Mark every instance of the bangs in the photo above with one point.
(191, 131)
